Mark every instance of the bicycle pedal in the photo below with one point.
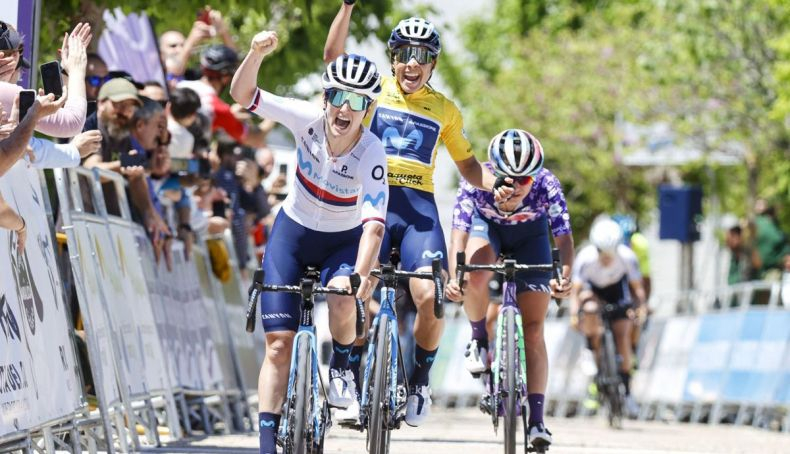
(354, 425)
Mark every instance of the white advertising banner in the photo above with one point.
(38, 379)
(138, 303)
(97, 318)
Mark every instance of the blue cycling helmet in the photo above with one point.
(627, 225)
(415, 31)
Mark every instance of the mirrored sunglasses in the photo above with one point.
(404, 54)
(355, 101)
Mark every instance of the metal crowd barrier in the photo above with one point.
(165, 345)
(724, 367)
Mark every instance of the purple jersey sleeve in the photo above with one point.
(464, 207)
(556, 208)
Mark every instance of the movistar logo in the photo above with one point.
(374, 200)
(346, 266)
(305, 165)
(429, 359)
(342, 350)
(353, 358)
(432, 254)
(267, 423)
(393, 138)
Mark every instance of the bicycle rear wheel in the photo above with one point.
(510, 385)
(613, 393)
(379, 426)
(302, 402)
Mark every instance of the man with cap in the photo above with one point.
(67, 121)
(218, 63)
(117, 104)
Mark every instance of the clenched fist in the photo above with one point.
(264, 43)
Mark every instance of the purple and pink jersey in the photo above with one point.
(545, 199)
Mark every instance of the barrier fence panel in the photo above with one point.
(249, 347)
(83, 226)
(39, 380)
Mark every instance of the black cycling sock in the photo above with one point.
(589, 343)
(626, 378)
(340, 354)
(268, 424)
(423, 360)
(354, 363)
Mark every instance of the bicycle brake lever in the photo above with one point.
(252, 302)
(438, 307)
(360, 305)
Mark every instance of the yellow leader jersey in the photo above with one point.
(410, 127)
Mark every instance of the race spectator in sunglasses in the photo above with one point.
(96, 74)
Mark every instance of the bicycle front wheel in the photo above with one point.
(613, 393)
(379, 427)
(510, 384)
(302, 408)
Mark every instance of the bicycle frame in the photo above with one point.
(509, 304)
(387, 308)
(308, 332)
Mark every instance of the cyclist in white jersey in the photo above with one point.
(333, 218)
(607, 272)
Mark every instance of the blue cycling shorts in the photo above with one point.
(413, 227)
(290, 249)
(527, 243)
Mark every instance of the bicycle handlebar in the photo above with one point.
(306, 288)
(507, 266)
(388, 273)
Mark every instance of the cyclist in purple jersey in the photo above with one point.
(518, 227)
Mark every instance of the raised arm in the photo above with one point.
(336, 39)
(245, 81)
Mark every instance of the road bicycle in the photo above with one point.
(304, 422)
(384, 389)
(611, 390)
(506, 381)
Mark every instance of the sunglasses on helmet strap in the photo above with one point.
(404, 54)
(355, 101)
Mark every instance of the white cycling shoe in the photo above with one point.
(539, 435)
(348, 416)
(475, 358)
(342, 389)
(418, 405)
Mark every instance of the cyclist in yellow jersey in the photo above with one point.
(411, 118)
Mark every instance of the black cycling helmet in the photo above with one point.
(219, 58)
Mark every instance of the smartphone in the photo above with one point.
(284, 169)
(91, 109)
(50, 77)
(130, 160)
(203, 15)
(26, 100)
(204, 168)
(218, 208)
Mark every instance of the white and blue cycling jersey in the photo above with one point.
(330, 194)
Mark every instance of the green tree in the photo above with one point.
(301, 24)
(565, 82)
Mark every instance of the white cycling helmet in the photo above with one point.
(606, 235)
(415, 31)
(353, 73)
(515, 153)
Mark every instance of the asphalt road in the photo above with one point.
(468, 431)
